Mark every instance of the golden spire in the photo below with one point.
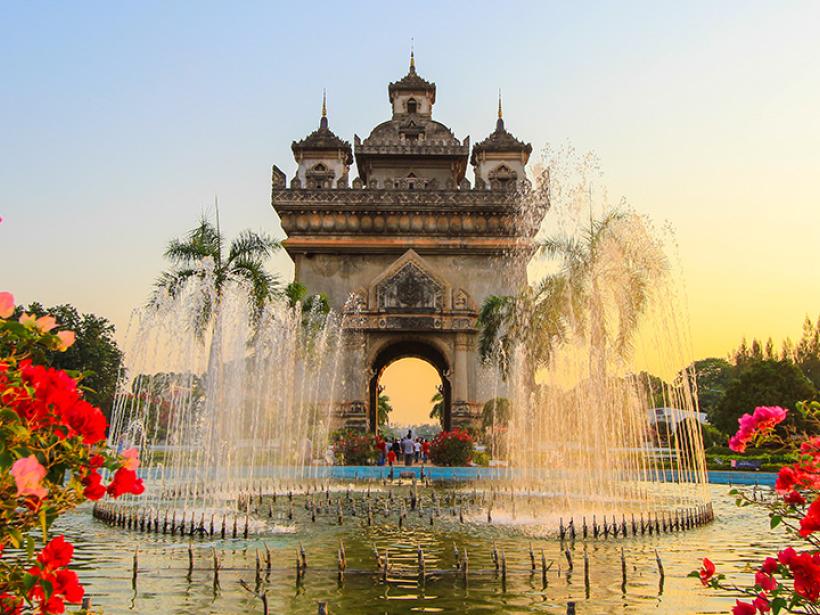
(412, 55)
(500, 114)
(324, 103)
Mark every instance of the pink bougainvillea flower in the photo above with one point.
(27, 473)
(707, 571)
(67, 339)
(45, 323)
(6, 304)
(131, 457)
(762, 421)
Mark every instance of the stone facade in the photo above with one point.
(411, 250)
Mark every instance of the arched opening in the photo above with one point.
(426, 357)
(412, 106)
(410, 390)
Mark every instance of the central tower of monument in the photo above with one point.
(409, 250)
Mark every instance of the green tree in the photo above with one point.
(761, 383)
(653, 388)
(95, 352)
(243, 260)
(605, 277)
(534, 320)
(712, 377)
(496, 413)
(384, 410)
(807, 351)
(437, 412)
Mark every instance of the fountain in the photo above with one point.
(233, 413)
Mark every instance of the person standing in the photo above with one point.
(407, 449)
(425, 450)
(417, 449)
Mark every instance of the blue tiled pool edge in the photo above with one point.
(717, 477)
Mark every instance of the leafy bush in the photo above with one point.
(712, 436)
(452, 448)
(354, 448)
(481, 458)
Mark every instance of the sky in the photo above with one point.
(123, 121)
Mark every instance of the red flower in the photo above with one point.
(125, 481)
(769, 565)
(811, 522)
(766, 581)
(94, 490)
(787, 555)
(805, 568)
(743, 608)
(761, 603)
(811, 447)
(10, 605)
(86, 420)
(794, 498)
(53, 605)
(56, 554)
(707, 571)
(67, 584)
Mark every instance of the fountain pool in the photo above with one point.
(105, 556)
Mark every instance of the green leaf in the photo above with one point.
(777, 604)
(776, 519)
(734, 492)
(16, 538)
(28, 581)
(30, 547)
(44, 524)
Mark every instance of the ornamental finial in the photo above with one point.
(500, 114)
(323, 121)
(412, 56)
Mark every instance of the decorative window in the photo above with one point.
(319, 176)
(502, 177)
(412, 106)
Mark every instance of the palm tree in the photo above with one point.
(437, 412)
(384, 409)
(243, 262)
(605, 273)
(533, 320)
(608, 272)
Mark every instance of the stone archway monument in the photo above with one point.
(410, 249)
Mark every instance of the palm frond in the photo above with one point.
(170, 283)
(263, 285)
(203, 241)
(252, 245)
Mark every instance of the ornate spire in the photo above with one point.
(412, 56)
(499, 124)
(323, 121)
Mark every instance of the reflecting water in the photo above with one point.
(104, 555)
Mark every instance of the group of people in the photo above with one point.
(410, 450)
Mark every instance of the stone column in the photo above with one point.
(461, 415)
(460, 389)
